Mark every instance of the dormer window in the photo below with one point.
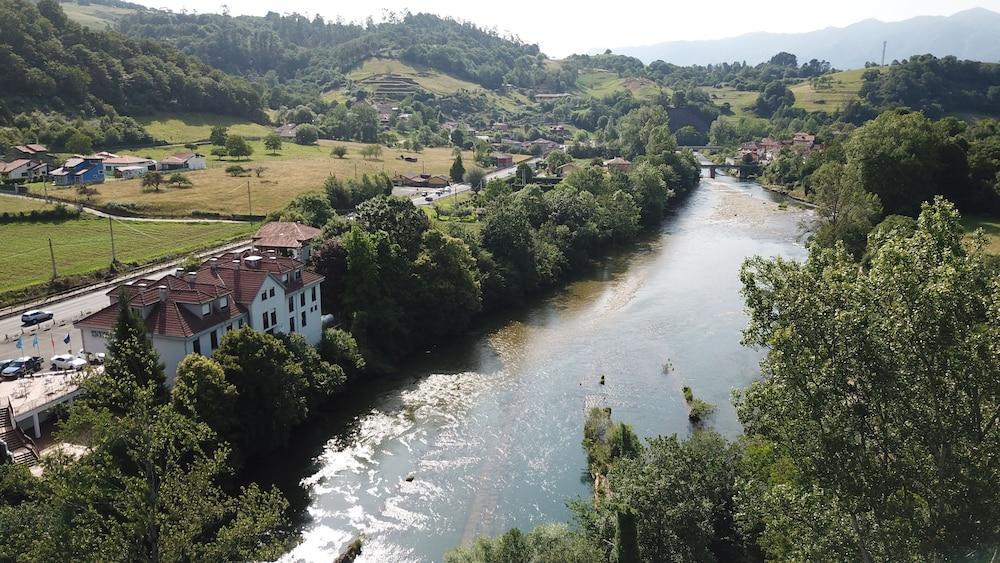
(223, 302)
(206, 309)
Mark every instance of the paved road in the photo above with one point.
(459, 188)
(66, 310)
(99, 213)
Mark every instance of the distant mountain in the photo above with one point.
(971, 34)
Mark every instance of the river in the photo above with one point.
(489, 426)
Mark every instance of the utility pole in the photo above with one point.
(884, 43)
(111, 229)
(52, 255)
(249, 203)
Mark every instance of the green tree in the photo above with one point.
(650, 192)
(132, 365)
(524, 173)
(448, 293)
(202, 393)
(339, 151)
(272, 142)
(80, 143)
(474, 178)
(270, 386)
(306, 134)
(237, 146)
(152, 180)
(219, 135)
(371, 152)
(846, 211)
(458, 138)
(547, 543)
(177, 180)
(311, 208)
(880, 390)
(556, 159)
(897, 157)
(397, 216)
(340, 348)
(457, 171)
(220, 152)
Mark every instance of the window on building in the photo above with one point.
(197, 345)
(303, 318)
(206, 309)
(291, 324)
(229, 328)
(314, 294)
(266, 324)
(274, 318)
(224, 303)
(271, 293)
(302, 300)
(241, 324)
(291, 303)
(263, 296)
(213, 340)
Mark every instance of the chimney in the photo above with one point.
(213, 264)
(191, 276)
(163, 292)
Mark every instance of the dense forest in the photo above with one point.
(935, 86)
(64, 67)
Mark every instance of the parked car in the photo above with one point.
(35, 316)
(94, 359)
(5, 363)
(22, 367)
(68, 362)
(428, 198)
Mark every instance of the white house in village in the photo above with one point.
(126, 166)
(190, 313)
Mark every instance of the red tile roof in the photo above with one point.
(279, 234)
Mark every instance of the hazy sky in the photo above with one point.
(562, 28)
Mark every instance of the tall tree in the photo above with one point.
(880, 388)
(457, 171)
(846, 211)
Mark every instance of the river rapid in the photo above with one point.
(489, 426)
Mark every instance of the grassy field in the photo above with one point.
(83, 245)
(990, 226)
(737, 99)
(295, 170)
(94, 16)
(190, 127)
(600, 83)
(844, 88)
(19, 204)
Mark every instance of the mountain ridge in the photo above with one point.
(968, 34)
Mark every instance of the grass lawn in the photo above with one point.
(599, 83)
(990, 226)
(844, 88)
(294, 170)
(190, 127)
(737, 99)
(19, 204)
(83, 245)
(446, 204)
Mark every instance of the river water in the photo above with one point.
(489, 426)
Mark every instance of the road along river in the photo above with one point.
(489, 426)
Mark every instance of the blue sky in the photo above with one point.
(562, 28)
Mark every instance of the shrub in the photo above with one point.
(338, 151)
(236, 170)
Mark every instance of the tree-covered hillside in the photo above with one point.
(312, 55)
(54, 64)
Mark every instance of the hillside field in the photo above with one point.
(94, 16)
(738, 99)
(20, 204)
(83, 245)
(843, 88)
(601, 83)
(192, 127)
(294, 170)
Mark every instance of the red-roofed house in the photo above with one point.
(189, 313)
(184, 161)
(286, 239)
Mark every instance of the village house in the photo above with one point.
(567, 169)
(803, 140)
(29, 152)
(546, 146)
(183, 161)
(190, 313)
(287, 131)
(286, 239)
(79, 170)
(501, 126)
(618, 163)
(503, 160)
(126, 166)
(24, 170)
(421, 180)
